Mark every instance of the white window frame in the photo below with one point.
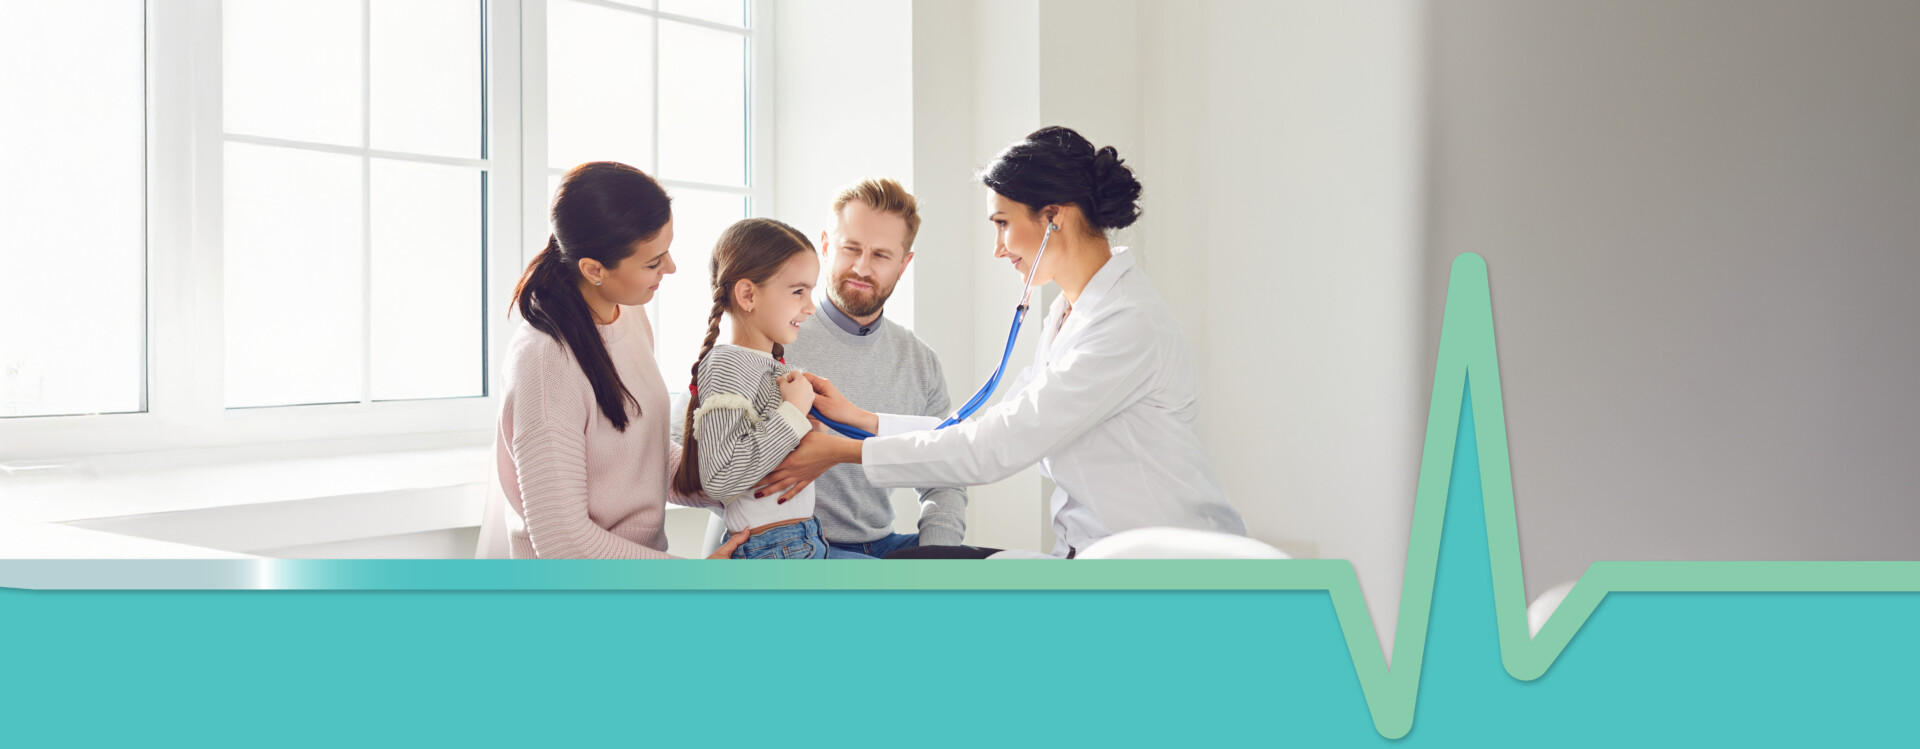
(185, 138)
(759, 70)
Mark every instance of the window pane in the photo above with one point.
(731, 12)
(427, 296)
(426, 77)
(685, 298)
(293, 266)
(72, 226)
(293, 70)
(599, 86)
(703, 105)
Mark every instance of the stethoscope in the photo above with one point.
(979, 399)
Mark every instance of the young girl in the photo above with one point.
(748, 409)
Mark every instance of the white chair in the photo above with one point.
(493, 521)
(1543, 607)
(1178, 543)
(716, 535)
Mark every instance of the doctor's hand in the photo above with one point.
(818, 451)
(834, 405)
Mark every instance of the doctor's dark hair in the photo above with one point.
(1057, 166)
(603, 210)
(750, 250)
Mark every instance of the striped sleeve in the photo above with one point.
(739, 444)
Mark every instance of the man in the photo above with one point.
(878, 364)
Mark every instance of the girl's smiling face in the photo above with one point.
(785, 300)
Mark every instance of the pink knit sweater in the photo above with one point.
(575, 486)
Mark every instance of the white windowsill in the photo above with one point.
(258, 500)
(21, 539)
(149, 483)
(225, 503)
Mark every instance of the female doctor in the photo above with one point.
(1107, 406)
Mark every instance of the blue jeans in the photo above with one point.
(881, 546)
(796, 541)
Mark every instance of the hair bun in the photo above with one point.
(1057, 166)
(1116, 192)
(1074, 144)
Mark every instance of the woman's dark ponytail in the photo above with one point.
(602, 211)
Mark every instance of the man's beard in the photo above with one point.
(858, 303)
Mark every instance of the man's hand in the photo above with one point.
(834, 405)
(726, 550)
(818, 451)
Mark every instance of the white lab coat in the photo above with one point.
(1107, 410)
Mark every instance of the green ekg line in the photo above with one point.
(1466, 351)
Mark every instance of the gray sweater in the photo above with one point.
(887, 371)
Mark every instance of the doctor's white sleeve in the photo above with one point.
(892, 424)
(1106, 371)
(943, 509)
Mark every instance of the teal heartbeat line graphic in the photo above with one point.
(1466, 446)
(1468, 359)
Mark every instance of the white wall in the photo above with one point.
(1701, 221)
(843, 109)
(1283, 154)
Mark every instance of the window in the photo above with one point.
(665, 90)
(312, 231)
(72, 208)
(354, 241)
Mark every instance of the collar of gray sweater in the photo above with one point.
(844, 327)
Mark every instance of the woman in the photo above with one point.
(582, 449)
(1107, 407)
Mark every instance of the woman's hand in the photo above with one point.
(834, 405)
(797, 390)
(726, 550)
(818, 451)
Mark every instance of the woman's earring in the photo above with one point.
(596, 283)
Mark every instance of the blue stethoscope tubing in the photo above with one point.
(979, 399)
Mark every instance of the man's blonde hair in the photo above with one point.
(883, 195)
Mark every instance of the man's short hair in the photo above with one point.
(883, 195)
